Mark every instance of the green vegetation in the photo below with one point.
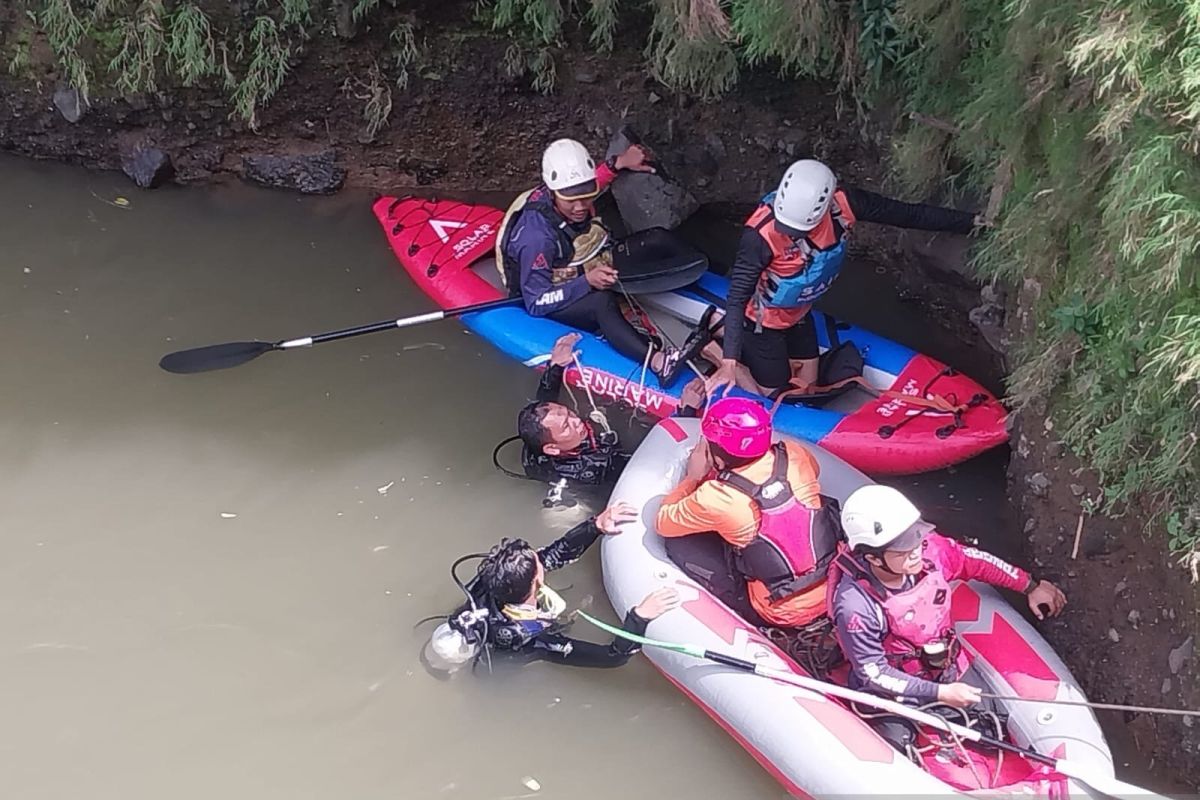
(1077, 118)
(132, 46)
(1088, 112)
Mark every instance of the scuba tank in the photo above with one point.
(456, 642)
(460, 639)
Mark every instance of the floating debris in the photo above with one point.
(531, 783)
(379, 547)
(384, 489)
(228, 515)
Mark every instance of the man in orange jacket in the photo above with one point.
(764, 503)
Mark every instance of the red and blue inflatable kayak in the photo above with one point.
(920, 415)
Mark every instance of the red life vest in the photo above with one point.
(920, 637)
(794, 543)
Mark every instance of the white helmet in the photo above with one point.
(877, 517)
(804, 195)
(568, 170)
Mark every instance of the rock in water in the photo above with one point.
(70, 104)
(148, 166)
(316, 173)
(648, 200)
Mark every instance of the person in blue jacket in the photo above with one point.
(555, 253)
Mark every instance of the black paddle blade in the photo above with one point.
(215, 356)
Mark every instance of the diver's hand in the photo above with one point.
(564, 351)
(610, 519)
(657, 603)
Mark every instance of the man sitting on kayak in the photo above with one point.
(555, 253)
(790, 253)
(511, 609)
(764, 505)
(559, 444)
(890, 605)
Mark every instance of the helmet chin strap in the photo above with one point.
(883, 565)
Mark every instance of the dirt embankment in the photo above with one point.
(465, 125)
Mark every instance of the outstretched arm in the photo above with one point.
(872, 207)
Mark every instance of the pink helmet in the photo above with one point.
(740, 426)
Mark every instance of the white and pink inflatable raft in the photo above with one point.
(815, 746)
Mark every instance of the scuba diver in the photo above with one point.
(559, 447)
(890, 605)
(510, 608)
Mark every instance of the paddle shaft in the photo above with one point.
(390, 324)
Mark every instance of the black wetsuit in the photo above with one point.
(528, 640)
(595, 462)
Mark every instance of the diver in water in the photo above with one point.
(560, 447)
(510, 608)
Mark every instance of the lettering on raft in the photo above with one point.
(892, 406)
(473, 239)
(897, 405)
(628, 392)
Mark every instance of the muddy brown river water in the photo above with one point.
(209, 583)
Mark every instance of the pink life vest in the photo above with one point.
(920, 637)
(795, 543)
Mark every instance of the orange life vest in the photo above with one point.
(801, 270)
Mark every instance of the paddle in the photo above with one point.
(232, 354)
(1079, 772)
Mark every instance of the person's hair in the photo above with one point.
(508, 571)
(728, 459)
(530, 427)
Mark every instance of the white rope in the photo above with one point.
(595, 415)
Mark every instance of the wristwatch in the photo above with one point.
(1029, 587)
